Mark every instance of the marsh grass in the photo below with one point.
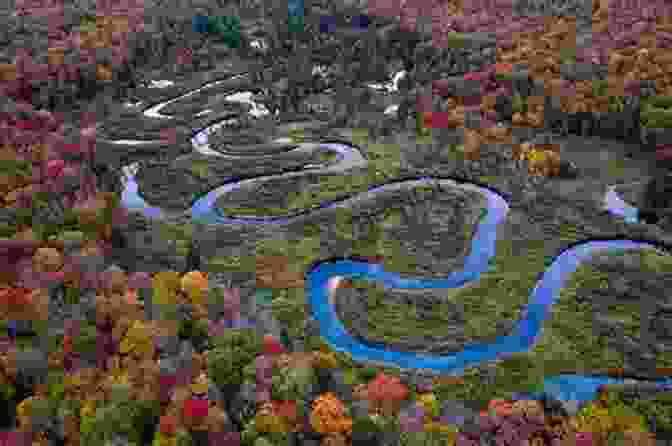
(616, 167)
(487, 179)
(572, 321)
(360, 136)
(568, 55)
(566, 343)
(568, 334)
(655, 261)
(223, 264)
(25, 342)
(393, 217)
(201, 169)
(396, 258)
(350, 377)
(453, 151)
(390, 322)
(424, 138)
(327, 156)
(384, 164)
(496, 296)
(297, 136)
(456, 40)
(288, 306)
(180, 234)
(242, 211)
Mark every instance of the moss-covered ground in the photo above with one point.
(383, 165)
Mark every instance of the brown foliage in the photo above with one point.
(272, 273)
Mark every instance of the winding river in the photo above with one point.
(322, 279)
(618, 207)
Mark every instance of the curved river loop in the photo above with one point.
(323, 278)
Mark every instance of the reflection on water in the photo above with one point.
(334, 282)
(153, 112)
(132, 199)
(133, 142)
(245, 97)
(160, 84)
(259, 45)
(391, 110)
(391, 86)
(617, 206)
(205, 209)
(200, 140)
(283, 140)
(320, 70)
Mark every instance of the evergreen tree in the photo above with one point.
(656, 196)
(193, 261)
(284, 338)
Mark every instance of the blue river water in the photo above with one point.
(527, 330)
(615, 205)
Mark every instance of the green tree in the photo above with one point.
(232, 352)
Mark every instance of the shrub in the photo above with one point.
(55, 386)
(657, 411)
(184, 438)
(519, 104)
(7, 230)
(108, 420)
(368, 373)
(143, 419)
(86, 342)
(660, 101)
(289, 310)
(232, 351)
(291, 383)
(249, 433)
(616, 103)
(599, 87)
(7, 391)
(196, 331)
(130, 418)
(429, 438)
(365, 431)
(626, 418)
(261, 441)
(655, 117)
